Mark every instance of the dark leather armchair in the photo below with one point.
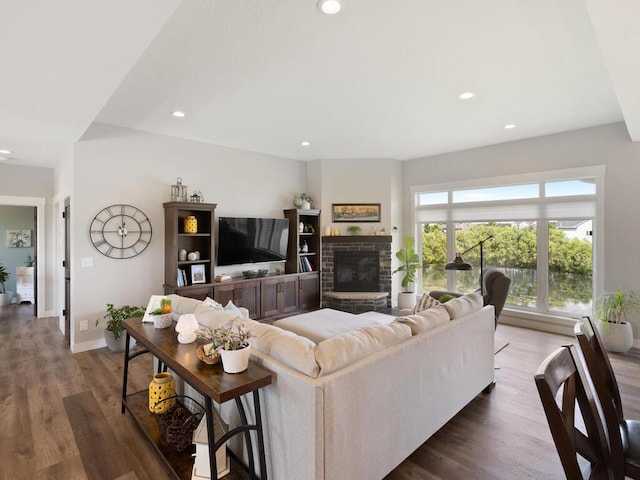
(496, 288)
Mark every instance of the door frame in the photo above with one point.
(39, 203)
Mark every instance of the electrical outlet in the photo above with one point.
(84, 325)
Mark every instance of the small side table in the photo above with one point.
(209, 380)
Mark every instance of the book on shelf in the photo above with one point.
(307, 265)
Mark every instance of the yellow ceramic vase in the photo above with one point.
(190, 224)
(161, 387)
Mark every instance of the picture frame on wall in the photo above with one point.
(197, 274)
(355, 212)
(18, 238)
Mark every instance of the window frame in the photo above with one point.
(542, 203)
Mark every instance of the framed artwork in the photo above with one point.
(18, 238)
(197, 274)
(355, 212)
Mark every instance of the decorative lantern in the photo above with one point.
(196, 197)
(178, 191)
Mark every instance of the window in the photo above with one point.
(541, 237)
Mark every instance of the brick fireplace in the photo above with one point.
(351, 284)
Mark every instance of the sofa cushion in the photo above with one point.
(344, 349)
(425, 302)
(322, 324)
(288, 348)
(425, 320)
(182, 305)
(464, 305)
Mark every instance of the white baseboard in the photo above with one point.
(86, 346)
(536, 321)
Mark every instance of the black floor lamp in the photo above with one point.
(459, 263)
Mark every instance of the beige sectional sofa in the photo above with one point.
(360, 399)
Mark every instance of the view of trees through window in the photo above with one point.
(514, 250)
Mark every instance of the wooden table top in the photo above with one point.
(210, 380)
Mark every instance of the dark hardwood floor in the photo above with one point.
(60, 413)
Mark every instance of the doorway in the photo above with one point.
(36, 227)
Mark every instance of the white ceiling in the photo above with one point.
(379, 80)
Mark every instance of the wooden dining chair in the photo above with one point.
(578, 433)
(624, 435)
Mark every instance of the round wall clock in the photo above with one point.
(120, 231)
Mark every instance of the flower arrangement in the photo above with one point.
(164, 308)
(162, 317)
(225, 338)
(301, 198)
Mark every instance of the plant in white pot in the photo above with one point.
(231, 342)
(114, 331)
(410, 262)
(5, 297)
(612, 309)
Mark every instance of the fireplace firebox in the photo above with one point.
(356, 271)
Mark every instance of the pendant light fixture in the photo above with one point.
(329, 7)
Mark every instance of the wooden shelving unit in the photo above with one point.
(310, 236)
(175, 239)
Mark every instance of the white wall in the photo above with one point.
(361, 181)
(607, 145)
(114, 165)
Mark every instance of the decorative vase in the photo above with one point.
(162, 386)
(235, 361)
(190, 224)
(616, 337)
(162, 321)
(306, 205)
(182, 255)
(406, 300)
(5, 298)
(301, 227)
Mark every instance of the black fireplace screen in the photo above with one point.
(356, 272)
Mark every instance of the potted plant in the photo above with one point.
(162, 317)
(231, 342)
(354, 229)
(611, 315)
(5, 297)
(113, 333)
(302, 201)
(410, 262)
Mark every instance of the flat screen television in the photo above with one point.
(252, 240)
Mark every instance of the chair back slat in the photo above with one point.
(562, 373)
(605, 387)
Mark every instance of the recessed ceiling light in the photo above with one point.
(466, 95)
(305, 143)
(5, 152)
(509, 126)
(178, 114)
(329, 7)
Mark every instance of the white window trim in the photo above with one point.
(598, 172)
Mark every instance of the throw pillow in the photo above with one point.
(461, 306)
(427, 301)
(425, 320)
(231, 308)
(210, 302)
